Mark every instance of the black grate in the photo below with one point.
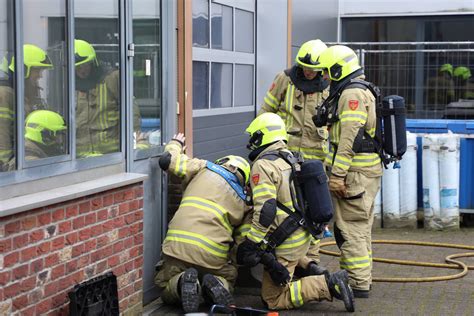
(95, 297)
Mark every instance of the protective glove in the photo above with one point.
(337, 185)
(249, 253)
(277, 271)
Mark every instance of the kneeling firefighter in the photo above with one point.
(280, 232)
(196, 251)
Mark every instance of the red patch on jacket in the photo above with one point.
(255, 178)
(353, 104)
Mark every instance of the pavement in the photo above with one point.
(454, 297)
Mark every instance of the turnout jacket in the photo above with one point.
(356, 108)
(297, 109)
(201, 229)
(270, 182)
(98, 117)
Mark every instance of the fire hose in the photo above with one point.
(451, 263)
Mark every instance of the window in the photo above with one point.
(224, 68)
(7, 89)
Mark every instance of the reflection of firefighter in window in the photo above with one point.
(441, 88)
(464, 89)
(97, 104)
(35, 60)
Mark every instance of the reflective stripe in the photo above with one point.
(5, 154)
(310, 153)
(315, 241)
(181, 165)
(289, 104)
(197, 240)
(357, 116)
(242, 230)
(342, 162)
(366, 160)
(6, 113)
(264, 190)
(354, 263)
(6, 109)
(295, 293)
(209, 206)
(295, 241)
(271, 100)
(371, 132)
(255, 235)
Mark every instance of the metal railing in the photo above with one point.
(412, 70)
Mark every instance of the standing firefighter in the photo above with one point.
(197, 245)
(272, 185)
(294, 95)
(355, 166)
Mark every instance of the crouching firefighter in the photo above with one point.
(196, 251)
(358, 148)
(273, 240)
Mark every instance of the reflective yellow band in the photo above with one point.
(310, 153)
(199, 241)
(264, 190)
(242, 230)
(271, 100)
(295, 241)
(255, 235)
(289, 104)
(295, 293)
(365, 160)
(208, 206)
(181, 165)
(354, 263)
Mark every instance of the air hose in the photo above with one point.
(451, 263)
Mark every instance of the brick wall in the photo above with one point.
(46, 251)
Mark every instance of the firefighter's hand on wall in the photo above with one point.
(249, 253)
(180, 138)
(337, 185)
(278, 272)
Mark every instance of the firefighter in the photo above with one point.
(45, 133)
(196, 250)
(294, 95)
(35, 61)
(354, 176)
(271, 185)
(97, 104)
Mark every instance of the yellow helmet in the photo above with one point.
(339, 60)
(33, 56)
(265, 129)
(238, 162)
(42, 125)
(84, 53)
(309, 52)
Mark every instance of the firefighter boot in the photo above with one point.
(189, 286)
(338, 284)
(215, 292)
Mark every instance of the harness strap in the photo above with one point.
(229, 177)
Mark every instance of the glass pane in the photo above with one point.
(45, 65)
(243, 85)
(200, 85)
(221, 85)
(200, 23)
(147, 74)
(7, 89)
(221, 27)
(449, 29)
(244, 31)
(97, 77)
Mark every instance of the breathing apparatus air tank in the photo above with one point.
(408, 183)
(391, 196)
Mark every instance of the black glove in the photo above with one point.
(249, 253)
(277, 271)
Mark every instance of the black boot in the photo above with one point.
(338, 284)
(215, 292)
(361, 293)
(189, 287)
(315, 269)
